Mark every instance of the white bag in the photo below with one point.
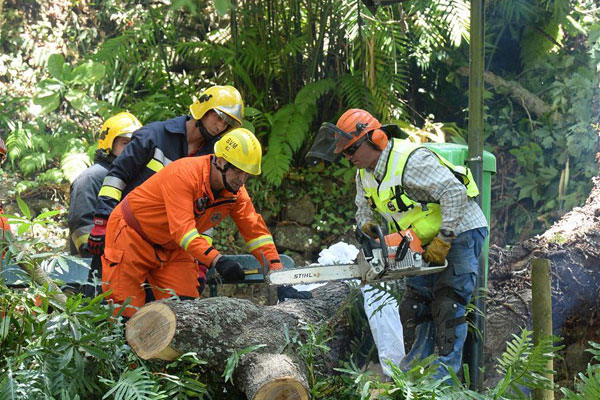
(386, 326)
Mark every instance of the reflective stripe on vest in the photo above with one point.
(402, 212)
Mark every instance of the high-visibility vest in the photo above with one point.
(400, 211)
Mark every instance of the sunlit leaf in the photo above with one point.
(88, 73)
(24, 207)
(55, 65)
(74, 164)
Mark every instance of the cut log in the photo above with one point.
(216, 327)
(272, 377)
(572, 245)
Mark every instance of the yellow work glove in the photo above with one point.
(436, 251)
(370, 228)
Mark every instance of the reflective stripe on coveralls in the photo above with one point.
(164, 208)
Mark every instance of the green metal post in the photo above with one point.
(474, 344)
(541, 312)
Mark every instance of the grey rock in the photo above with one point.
(295, 237)
(301, 211)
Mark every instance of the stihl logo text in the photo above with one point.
(307, 275)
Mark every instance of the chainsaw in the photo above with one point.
(390, 257)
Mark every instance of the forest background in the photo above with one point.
(67, 66)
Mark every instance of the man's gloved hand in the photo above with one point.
(436, 251)
(97, 236)
(229, 270)
(288, 292)
(370, 228)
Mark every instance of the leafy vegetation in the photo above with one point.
(66, 66)
(298, 64)
(76, 349)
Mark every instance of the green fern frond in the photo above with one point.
(32, 163)
(74, 164)
(294, 46)
(289, 129)
(456, 15)
(516, 11)
(9, 385)
(353, 91)
(524, 365)
(135, 384)
(587, 386)
(190, 50)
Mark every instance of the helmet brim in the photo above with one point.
(231, 121)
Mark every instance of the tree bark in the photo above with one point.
(217, 327)
(572, 245)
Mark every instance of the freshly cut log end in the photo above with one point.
(267, 376)
(150, 331)
(283, 388)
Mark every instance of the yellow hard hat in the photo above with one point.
(121, 125)
(242, 149)
(226, 101)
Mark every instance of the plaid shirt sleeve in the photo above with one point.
(426, 180)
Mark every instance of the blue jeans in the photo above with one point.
(460, 276)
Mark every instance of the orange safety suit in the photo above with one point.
(171, 208)
(3, 227)
(3, 223)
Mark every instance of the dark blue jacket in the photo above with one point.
(82, 203)
(152, 148)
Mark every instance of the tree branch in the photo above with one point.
(523, 96)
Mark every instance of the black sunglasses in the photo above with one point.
(350, 150)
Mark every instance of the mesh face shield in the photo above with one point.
(329, 139)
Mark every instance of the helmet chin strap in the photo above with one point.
(223, 170)
(205, 135)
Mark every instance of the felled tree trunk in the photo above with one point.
(217, 327)
(572, 245)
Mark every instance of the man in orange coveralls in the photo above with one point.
(154, 233)
(3, 221)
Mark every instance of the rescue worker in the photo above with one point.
(4, 227)
(412, 187)
(153, 234)
(115, 134)
(157, 144)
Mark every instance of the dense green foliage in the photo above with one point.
(68, 66)
(77, 350)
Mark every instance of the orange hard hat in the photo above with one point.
(357, 123)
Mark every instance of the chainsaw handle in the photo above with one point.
(384, 248)
(402, 248)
